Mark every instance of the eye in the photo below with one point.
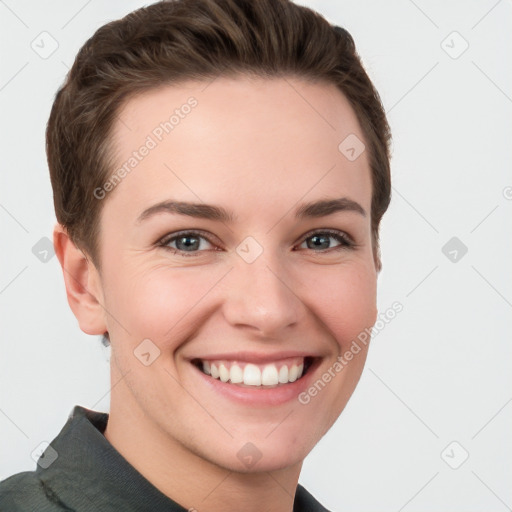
(320, 240)
(187, 243)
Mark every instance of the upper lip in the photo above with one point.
(255, 357)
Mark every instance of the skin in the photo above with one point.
(258, 147)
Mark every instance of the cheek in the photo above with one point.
(345, 301)
(157, 302)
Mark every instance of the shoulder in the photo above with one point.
(25, 491)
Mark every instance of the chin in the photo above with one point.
(260, 454)
(267, 462)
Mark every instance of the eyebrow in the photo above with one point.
(320, 208)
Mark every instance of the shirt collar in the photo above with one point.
(89, 473)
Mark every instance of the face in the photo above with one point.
(256, 285)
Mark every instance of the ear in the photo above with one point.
(83, 283)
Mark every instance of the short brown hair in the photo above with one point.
(177, 40)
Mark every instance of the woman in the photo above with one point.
(220, 169)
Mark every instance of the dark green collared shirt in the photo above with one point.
(82, 472)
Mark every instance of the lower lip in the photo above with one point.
(260, 395)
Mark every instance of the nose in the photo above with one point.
(260, 298)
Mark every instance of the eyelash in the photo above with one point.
(345, 241)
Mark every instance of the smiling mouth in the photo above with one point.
(242, 373)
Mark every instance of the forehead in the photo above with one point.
(243, 141)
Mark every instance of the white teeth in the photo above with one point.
(223, 373)
(252, 375)
(283, 374)
(269, 375)
(236, 375)
(292, 376)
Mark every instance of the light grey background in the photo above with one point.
(439, 372)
